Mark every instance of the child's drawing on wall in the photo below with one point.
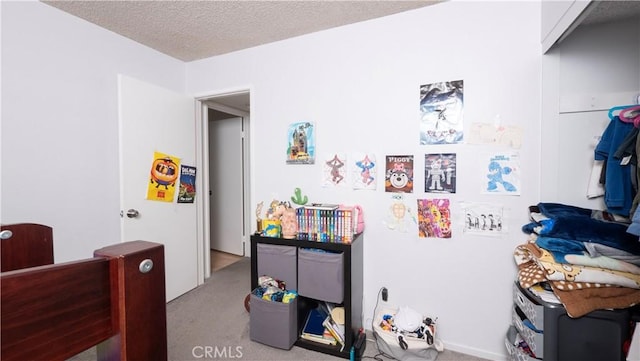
(440, 173)
(334, 171)
(401, 216)
(364, 171)
(483, 219)
(434, 218)
(441, 108)
(399, 174)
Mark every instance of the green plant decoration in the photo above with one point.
(298, 198)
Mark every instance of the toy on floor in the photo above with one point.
(425, 331)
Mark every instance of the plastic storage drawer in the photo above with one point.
(533, 310)
(321, 275)
(278, 262)
(596, 336)
(515, 352)
(535, 340)
(273, 323)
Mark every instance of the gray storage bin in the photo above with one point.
(278, 262)
(321, 275)
(273, 323)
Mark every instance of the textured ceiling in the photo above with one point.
(192, 30)
(612, 10)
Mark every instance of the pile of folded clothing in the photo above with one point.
(586, 256)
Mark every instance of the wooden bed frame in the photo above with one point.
(55, 311)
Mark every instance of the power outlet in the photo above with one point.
(385, 294)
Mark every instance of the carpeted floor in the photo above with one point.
(210, 322)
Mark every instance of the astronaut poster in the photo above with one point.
(441, 109)
(434, 218)
(440, 173)
(399, 174)
(301, 147)
(503, 174)
(163, 177)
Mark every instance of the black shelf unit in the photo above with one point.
(352, 288)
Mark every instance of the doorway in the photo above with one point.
(226, 129)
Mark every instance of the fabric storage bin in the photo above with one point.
(278, 262)
(321, 275)
(273, 323)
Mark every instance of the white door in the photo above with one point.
(226, 185)
(153, 119)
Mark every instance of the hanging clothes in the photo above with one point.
(619, 192)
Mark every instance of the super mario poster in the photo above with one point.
(441, 110)
(163, 177)
(399, 174)
(434, 218)
(301, 148)
(440, 173)
(503, 174)
(187, 193)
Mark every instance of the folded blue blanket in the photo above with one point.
(575, 223)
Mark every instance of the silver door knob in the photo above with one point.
(132, 213)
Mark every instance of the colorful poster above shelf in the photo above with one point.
(187, 193)
(441, 109)
(399, 174)
(301, 148)
(434, 218)
(440, 173)
(164, 174)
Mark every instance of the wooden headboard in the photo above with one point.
(25, 245)
(113, 300)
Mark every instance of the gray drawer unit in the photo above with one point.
(533, 310)
(597, 336)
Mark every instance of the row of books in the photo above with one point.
(322, 327)
(326, 223)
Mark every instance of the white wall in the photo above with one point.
(360, 85)
(60, 122)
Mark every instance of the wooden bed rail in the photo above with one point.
(115, 300)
